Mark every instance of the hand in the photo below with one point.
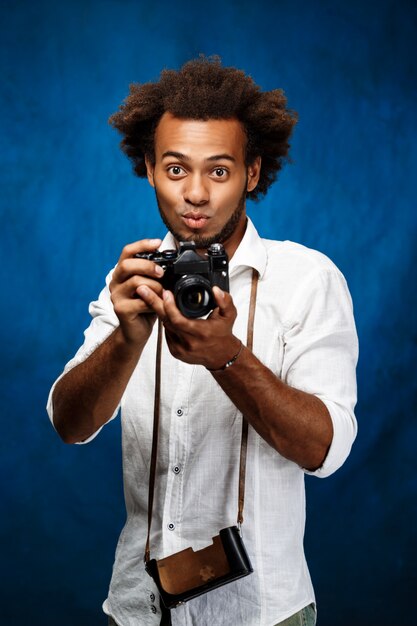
(135, 316)
(208, 342)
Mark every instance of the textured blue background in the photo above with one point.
(69, 203)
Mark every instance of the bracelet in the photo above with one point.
(229, 363)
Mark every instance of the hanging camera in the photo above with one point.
(187, 574)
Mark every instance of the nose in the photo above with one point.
(196, 190)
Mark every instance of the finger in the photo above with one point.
(224, 302)
(128, 289)
(130, 267)
(152, 300)
(174, 317)
(126, 300)
(137, 247)
(129, 308)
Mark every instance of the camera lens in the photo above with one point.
(193, 296)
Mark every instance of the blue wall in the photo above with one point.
(69, 203)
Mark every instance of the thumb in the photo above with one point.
(224, 302)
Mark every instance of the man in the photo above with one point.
(207, 138)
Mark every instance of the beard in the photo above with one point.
(205, 242)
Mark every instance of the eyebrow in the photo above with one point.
(183, 157)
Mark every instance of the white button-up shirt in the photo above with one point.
(305, 333)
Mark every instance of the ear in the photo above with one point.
(150, 167)
(254, 171)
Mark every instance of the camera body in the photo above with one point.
(191, 277)
(187, 574)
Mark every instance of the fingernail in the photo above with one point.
(142, 290)
(158, 270)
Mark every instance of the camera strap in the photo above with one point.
(244, 438)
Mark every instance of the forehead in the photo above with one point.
(200, 138)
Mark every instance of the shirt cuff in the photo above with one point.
(344, 434)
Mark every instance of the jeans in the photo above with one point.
(305, 617)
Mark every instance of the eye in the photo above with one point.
(220, 172)
(175, 170)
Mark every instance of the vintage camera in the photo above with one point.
(187, 574)
(191, 277)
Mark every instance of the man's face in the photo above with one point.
(201, 180)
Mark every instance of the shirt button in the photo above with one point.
(152, 597)
(176, 469)
(171, 526)
(153, 608)
(180, 412)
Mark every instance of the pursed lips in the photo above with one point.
(195, 220)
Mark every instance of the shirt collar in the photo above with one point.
(250, 253)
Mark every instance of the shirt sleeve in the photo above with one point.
(321, 352)
(103, 323)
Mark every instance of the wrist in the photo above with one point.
(128, 344)
(226, 364)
